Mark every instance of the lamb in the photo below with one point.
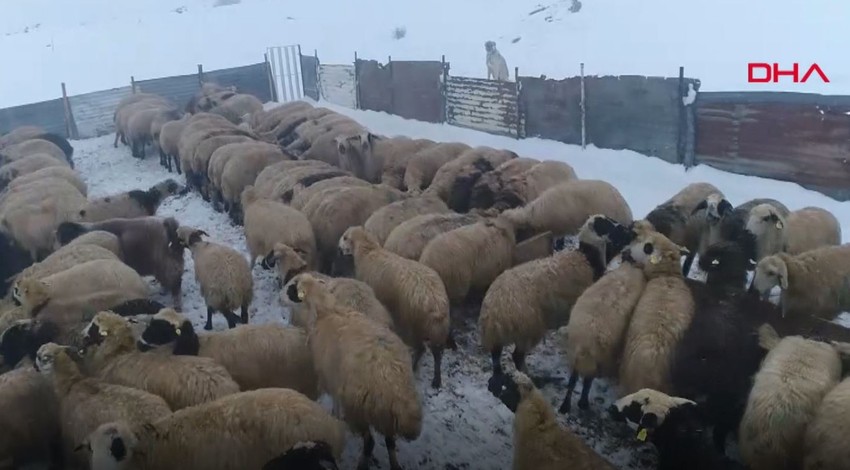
(325, 147)
(410, 237)
(218, 161)
(564, 208)
(824, 446)
(240, 172)
(183, 381)
(815, 282)
(525, 301)
(660, 318)
(593, 338)
(811, 227)
(308, 186)
(519, 190)
(424, 164)
(263, 121)
(130, 105)
(256, 356)
(539, 441)
(366, 368)
(130, 204)
(725, 223)
(29, 413)
(350, 293)
(792, 382)
(413, 293)
(268, 223)
(675, 426)
(67, 257)
(309, 132)
(200, 159)
(677, 219)
(150, 246)
(283, 131)
(33, 147)
(454, 180)
(207, 89)
(348, 207)
(62, 172)
(223, 275)
(200, 129)
(382, 222)
(27, 165)
(100, 238)
(766, 229)
(378, 159)
(304, 177)
(139, 125)
(468, 259)
(88, 402)
(273, 174)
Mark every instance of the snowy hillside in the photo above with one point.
(98, 44)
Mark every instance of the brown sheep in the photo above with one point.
(521, 189)
(382, 222)
(424, 164)
(342, 209)
(240, 172)
(379, 159)
(483, 193)
(413, 293)
(454, 181)
(269, 222)
(468, 259)
(409, 238)
(564, 208)
(169, 137)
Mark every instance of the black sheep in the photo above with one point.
(13, 260)
(313, 455)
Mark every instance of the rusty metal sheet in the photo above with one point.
(374, 86)
(787, 139)
(552, 108)
(485, 105)
(416, 89)
(310, 76)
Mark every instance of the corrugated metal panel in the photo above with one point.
(285, 66)
(638, 113)
(790, 140)
(48, 114)
(93, 111)
(374, 82)
(485, 105)
(178, 89)
(250, 79)
(338, 85)
(310, 76)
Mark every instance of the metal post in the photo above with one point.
(443, 110)
(318, 77)
(680, 147)
(133, 84)
(66, 108)
(518, 111)
(583, 111)
(200, 74)
(356, 82)
(270, 78)
(392, 85)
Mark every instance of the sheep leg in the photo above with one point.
(417, 356)
(177, 295)
(571, 386)
(232, 319)
(689, 260)
(368, 447)
(393, 454)
(245, 314)
(115, 144)
(583, 402)
(437, 381)
(496, 358)
(210, 312)
(519, 359)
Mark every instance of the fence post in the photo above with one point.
(443, 98)
(70, 126)
(583, 109)
(133, 84)
(356, 82)
(680, 144)
(319, 93)
(392, 85)
(519, 131)
(270, 78)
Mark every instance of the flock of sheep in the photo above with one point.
(383, 247)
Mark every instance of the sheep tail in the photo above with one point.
(768, 337)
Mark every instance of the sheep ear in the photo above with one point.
(723, 207)
(684, 251)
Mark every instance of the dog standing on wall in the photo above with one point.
(497, 68)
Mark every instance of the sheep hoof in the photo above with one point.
(437, 382)
(583, 404)
(208, 326)
(565, 406)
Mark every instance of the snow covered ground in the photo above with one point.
(98, 44)
(465, 426)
